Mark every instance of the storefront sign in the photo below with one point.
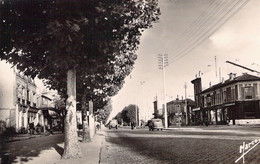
(229, 104)
(195, 109)
(246, 148)
(33, 110)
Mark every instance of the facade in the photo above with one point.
(233, 100)
(44, 103)
(177, 114)
(27, 111)
(17, 99)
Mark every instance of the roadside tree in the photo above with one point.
(62, 41)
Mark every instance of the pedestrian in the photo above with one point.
(227, 121)
(38, 128)
(132, 125)
(31, 128)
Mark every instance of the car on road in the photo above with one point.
(113, 124)
(155, 124)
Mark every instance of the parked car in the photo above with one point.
(155, 124)
(113, 124)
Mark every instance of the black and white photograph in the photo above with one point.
(129, 82)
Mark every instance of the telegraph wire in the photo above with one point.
(194, 23)
(209, 23)
(212, 25)
(186, 37)
(197, 23)
(189, 49)
(185, 53)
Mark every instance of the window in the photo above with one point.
(248, 92)
(28, 95)
(224, 96)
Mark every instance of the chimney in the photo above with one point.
(232, 76)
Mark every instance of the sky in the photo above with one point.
(202, 35)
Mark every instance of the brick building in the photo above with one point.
(177, 114)
(236, 100)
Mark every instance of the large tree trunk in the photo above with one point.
(91, 121)
(85, 133)
(71, 144)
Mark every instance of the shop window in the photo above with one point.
(228, 94)
(208, 100)
(224, 96)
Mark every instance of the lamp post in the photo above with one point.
(186, 110)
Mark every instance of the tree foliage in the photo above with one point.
(93, 42)
(46, 38)
(103, 114)
(128, 114)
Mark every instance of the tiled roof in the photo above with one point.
(244, 77)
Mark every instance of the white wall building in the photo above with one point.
(17, 99)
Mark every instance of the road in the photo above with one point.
(24, 150)
(177, 146)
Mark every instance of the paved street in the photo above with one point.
(177, 146)
(24, 150)
(197, 145)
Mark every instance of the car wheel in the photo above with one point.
(161, 129)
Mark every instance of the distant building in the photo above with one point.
(177, 114)
(236, 100)
(155, 107)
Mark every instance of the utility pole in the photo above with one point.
(163, 62)
(136, 115)
(216, 67)
(186, 109)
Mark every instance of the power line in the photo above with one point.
(200, 41)
(209, 23)
(208, 30)
(207, 16)
(196, 24)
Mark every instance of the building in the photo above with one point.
(17, 99)
(177, 113)
(236, 100)
(27, 111)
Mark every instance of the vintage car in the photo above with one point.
(113, 124)
(155, 124)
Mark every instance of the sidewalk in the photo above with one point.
(90, 152)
